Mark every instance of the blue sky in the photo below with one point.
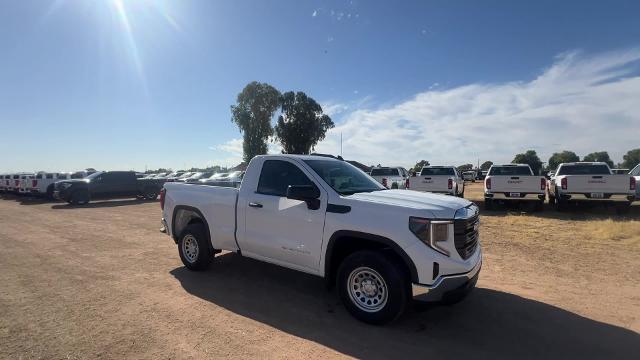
(133, 83)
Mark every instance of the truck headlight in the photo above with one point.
(431, 232)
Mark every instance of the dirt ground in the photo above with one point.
(102, 282)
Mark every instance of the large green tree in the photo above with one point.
(562, 157)
(465, 167)
(419, 165)
(599, 156)
(530, 157)
(301, 124)
(253, 112)
(631, 159)
(486, 165)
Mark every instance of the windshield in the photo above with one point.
(584, 169)
(510, 170)
(94, 175)
(384, 172)
(343, 177)
(435, 171)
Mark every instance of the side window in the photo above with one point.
(277, 175)
(40, 176)
(49, 176)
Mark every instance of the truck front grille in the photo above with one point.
(465, 235)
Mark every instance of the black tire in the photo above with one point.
(559, 204)
(79, 197)
(49, 194)
(151, 193)
(540, 205)
(488, 203)
(392, 281)
(203, 256)
(461, 194)
(394, 186)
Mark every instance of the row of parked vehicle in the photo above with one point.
(81, 187)
(571, 183)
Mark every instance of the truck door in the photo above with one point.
(281, 229)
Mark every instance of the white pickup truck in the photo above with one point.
(513, 183)
(323, 216)
(439, 179)
(391, 177)
(635, 172)
(590, 181)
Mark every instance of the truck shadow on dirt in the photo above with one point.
(488, 323)
(102, 204)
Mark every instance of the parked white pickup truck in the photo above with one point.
(439, 179)
(42, 184)
(324, 216)
(590, 181)
(391, 177)
(513, 183)
(635, 172)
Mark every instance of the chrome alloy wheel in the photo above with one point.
(367, 289)
(190, 248)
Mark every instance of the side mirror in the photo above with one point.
(306, 193)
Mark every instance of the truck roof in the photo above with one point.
(585, 163)
(510, 165)
(303, 157)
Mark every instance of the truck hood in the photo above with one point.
(414, 199)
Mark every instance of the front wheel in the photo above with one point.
(150, 194)
(373, 288)
(79, 197)
(488, 203)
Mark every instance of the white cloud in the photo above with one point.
(580, 103)
(315, 13)
(229, 153)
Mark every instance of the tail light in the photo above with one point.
(450, 184)
(162, 194)
(406, 183)
(17, 183)
(384, 183)
(543, 184)
(632, 183)
(563, 183)
(34, 183)
(487, 183)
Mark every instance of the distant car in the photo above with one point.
(107, 185)
(583, 182)
(24, 184)
(232, 179)
(178, 176)
(198, 176)
(635, 172)
(439, 179)
(4, 181)
(391, 177)
(43, 183)
(469, 176)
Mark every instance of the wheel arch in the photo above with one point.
(342, 243)
(183, 216)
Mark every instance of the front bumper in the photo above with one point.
(447, 286)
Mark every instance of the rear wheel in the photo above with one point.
(539, 205)
(193, 246)
(372, 287)
(49, 194)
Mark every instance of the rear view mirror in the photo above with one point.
(307, 193)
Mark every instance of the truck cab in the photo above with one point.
(391, 177)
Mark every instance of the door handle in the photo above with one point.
(255, 205)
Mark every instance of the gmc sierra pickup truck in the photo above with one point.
(513, 183)
(439, 179)
(107, 185)
(323, 216)
(391, 177)
(635, 172)
(590, 182)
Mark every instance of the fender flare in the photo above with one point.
(195, 210)
(413, 272)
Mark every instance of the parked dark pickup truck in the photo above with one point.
(107, 185)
